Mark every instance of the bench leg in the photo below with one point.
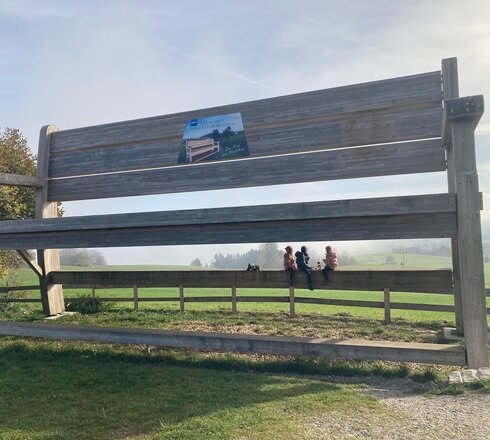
(52, 297)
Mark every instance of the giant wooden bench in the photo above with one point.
(413, 124)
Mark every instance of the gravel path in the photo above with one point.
(435, 417)
(412, 416)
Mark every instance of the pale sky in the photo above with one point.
(77, 63)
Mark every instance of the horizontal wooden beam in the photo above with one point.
(19, 180)
(419, 204)
(350, 163)
(314, 134)
(5, 289)
(431, 216)
(256, 299)
(438, 225)
(405, 91)
(277, 345)
(437, 281)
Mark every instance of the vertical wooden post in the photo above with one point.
(135, 296)
(181, 296)
(48, 259)
(450, 89)
(463, 114)
(387, 306)
(292, 313)
(233, 300)
(93, 295)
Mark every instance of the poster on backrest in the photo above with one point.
(213, 138)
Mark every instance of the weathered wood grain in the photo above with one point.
(438, 225)
(404, 91)
(419, 204)
(429, 281)
(469, 230)
(30, 261)
(19, 180)
(379, 160)
(48, 257)
(277, 345)
(450, 85)
(383, 126)
(259, 299)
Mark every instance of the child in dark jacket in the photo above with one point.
(302, 259)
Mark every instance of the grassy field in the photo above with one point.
(81, 391)
(267, 318)
(67, 390)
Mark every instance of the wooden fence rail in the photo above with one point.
(292, 299)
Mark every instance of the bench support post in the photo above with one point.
(233, 300)
(387, 306)
(292, 312)
(181, 299)
(450, 86)
(48, 259)
(463, 114)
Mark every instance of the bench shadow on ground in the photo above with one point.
(74, 391)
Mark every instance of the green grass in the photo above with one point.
(75, 390)
(84, 391)
(458, 389)
(267, 318)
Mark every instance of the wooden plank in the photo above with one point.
(450, 87)
(233, 300)
(48, 257)
(135, 297)
(277, 345)
(261, 299)
(19, 300)
(441, 225)
(379, 160)
(181, 299)
(419, 204)
(19, 180)
(31, 262)
(392, 125)
(470, 247)
(387, 306)
(5, 289)
(429, 281)
(292, 312)
(404, 91)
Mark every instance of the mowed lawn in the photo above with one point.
(70, 390)
(65, 391)
(269, 318)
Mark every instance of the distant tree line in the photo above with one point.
(267, 256)
(82, 257)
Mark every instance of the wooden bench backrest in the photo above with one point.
(139, 157)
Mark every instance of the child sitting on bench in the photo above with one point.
(331, 263)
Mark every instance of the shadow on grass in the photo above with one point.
(82, 391)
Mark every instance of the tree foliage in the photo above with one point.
(196, 262)
(268, 256)
(16, 202)
(82, 257)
